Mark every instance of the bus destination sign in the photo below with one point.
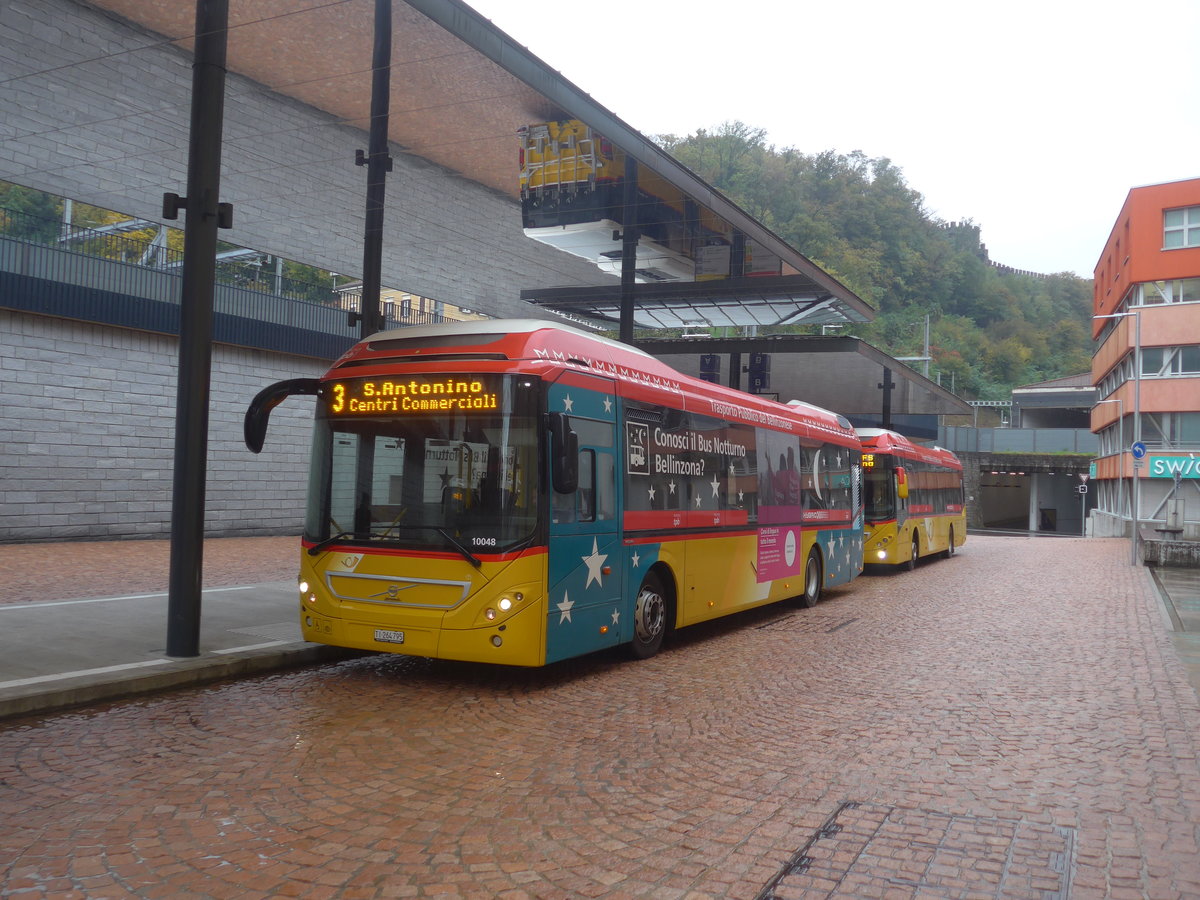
(412, 395)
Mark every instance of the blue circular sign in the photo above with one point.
(1138, 449)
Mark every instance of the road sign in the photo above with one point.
(1138, 450)
(1082, 488)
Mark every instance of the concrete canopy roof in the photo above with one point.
(460, 89)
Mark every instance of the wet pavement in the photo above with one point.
(1014, 722)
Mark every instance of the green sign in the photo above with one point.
(1168, 466)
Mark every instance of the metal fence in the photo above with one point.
(112, 278)
(961, 439)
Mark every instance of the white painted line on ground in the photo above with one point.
(39, 604)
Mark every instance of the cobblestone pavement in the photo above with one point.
(1010, 723)
(65, 571)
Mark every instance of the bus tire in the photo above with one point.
(916, 553)
(649, 618)
(812, 579)
(950, 544)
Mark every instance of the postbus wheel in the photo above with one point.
(812, 579)
(649, 617)
(950, 544)
(916, 552)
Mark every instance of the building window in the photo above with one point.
(1181, 228)
(1164, 361)
(1181, 290)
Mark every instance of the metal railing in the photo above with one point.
(111, 276)
(960, 439)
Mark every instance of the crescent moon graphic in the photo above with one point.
(817, 473)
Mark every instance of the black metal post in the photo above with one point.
(379, 163)
(887, 384)
(195, 328)
(735, 370)
(629, 245)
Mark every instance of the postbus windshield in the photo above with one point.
(880, 493)
(429, 462)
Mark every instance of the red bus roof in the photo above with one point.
(880, 440)
(495, 344)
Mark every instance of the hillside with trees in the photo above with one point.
(856, 217)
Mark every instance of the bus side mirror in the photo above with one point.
(255, 426)
(564, 454)
(901, 483)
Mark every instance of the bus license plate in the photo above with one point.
(389, 637)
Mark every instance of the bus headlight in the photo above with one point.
(489, 614)
(304, 587)
(505, 604)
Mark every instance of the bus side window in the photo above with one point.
(587, 486)
(606, 487)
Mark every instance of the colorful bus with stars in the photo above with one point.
(521, 492)
(914, 499)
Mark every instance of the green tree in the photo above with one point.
(858, 219)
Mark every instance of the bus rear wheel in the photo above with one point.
(950, 543)
(649, 618)
(812, 579)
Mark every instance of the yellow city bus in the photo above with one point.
(914, 499)
(521, 492)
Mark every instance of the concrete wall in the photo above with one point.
(87, 423)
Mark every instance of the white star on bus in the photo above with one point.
(565, 609)
(593, 563)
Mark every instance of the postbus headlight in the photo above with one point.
(489, 614)
(304, 587)
(505, 604)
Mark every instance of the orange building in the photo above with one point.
(1147, 367)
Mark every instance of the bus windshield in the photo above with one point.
(426, 462)
(880, 495)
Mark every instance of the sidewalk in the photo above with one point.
(1180, 593)
(86, 622)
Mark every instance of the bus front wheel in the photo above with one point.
(916, 553)
(649, 618)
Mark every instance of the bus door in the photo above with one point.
(586, 604)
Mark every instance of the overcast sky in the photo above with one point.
(1033, 119)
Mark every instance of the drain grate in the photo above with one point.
(871, 850)
(810, 623)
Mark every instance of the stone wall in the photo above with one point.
(87, 423)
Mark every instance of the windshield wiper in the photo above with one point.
(447, 537)
(459, 546)
(321, 545)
